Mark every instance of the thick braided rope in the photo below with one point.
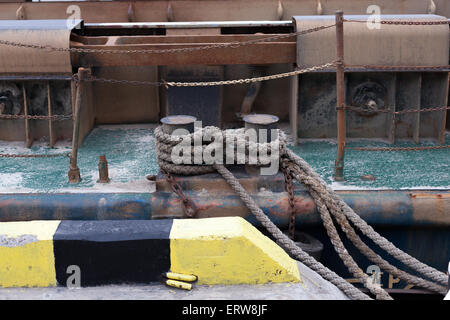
(232, 140)
(366, 229)
(340, 248)
(164, 146)
(326, 200)
(351, 291)
(356, 240)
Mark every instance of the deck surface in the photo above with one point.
(130, 151)
(311, 287)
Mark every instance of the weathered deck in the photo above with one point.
(130, 151)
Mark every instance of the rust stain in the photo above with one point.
(301, 206)
(429, 195)
(431, 207)
(209, 205)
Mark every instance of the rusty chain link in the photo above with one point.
(289, 187)
(235, 44)
(189, 208)
(395, 113)
(31, 117)
(91, 78)
(51, 155)
(247, 80)
(403, 22)
(390, 149)
(399, 68)
(362, 110)
(250, 80)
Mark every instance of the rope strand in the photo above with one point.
(328, 203)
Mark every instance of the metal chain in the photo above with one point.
(51, 155)
(389, 149)
(189, 207)
(247, 80)
(91, 78)
(283, 240)
(399, 68)
(326, 200)
(289, 187)
(250, 80)
(407, 260)
(30, 117)
(235, 44)
(362, 110)
(402, 22)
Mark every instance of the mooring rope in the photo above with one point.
(341, 219)
(366, 229)
(328, 203)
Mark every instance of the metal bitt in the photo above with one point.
(263, 124)
(103, 176)
(340, 91)
(74, 171)
(172, 123)
(262, 121)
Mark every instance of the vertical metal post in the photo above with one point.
(340, 91)
(416, 133)
(444, 113)
(103, 175)
(392, 108)
(293, 108)
(50, 113)
(74, 171)
(28, 139)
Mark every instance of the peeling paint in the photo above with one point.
(19, 241)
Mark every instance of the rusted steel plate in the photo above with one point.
(15, 59)
(391, 45)
(260, 53)
(201, 10)
(111, 41)
(111, 100)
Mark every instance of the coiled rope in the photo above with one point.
(329, 204)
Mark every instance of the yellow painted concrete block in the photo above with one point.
(26, 254)
(228, 251)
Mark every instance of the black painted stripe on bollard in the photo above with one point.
(112, 252)
(226, 250)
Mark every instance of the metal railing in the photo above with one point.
(337, 66)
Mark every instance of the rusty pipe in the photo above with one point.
(103, 174)
(74, 171)
(340, 97)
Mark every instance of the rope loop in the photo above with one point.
(329, 204)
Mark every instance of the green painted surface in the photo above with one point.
(392, 170)
(130, 151)
(130, 154)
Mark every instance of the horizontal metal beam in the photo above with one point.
(34, 77)
(208, 10)
(379, 208)
(189, 25)
(269, 52)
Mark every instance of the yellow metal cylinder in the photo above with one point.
(181, 277)
(179, 284)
